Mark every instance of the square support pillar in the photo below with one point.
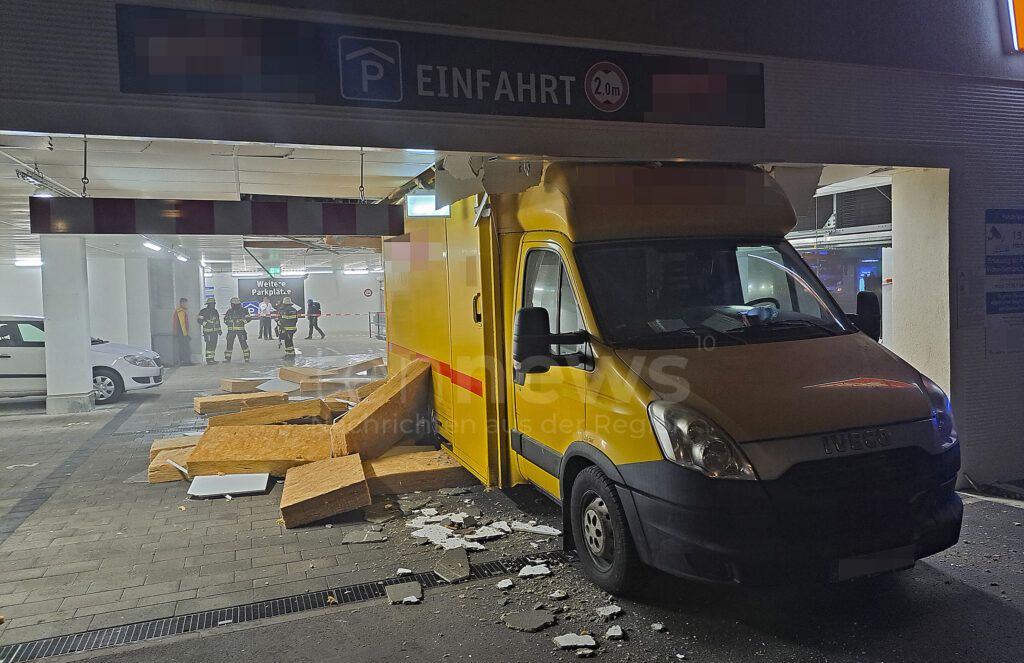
(65, 283)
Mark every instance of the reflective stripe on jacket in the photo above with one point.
(235, 319)
(289, 318)
(209, 319)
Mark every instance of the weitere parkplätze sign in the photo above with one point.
(197, 53)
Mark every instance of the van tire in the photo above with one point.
(107, 385)
(601, 533)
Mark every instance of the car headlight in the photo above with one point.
(942, 415)
(692, 440)
(139, 360)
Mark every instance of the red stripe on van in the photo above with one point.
(464, 380)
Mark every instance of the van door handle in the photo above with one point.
(5, 356)
(477, 316)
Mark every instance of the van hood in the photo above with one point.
(122, 350)
(786, 389)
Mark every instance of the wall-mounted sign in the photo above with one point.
(1004, 280)
(197, 53)
(254, 290)
(367, 293)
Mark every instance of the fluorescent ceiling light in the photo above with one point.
(418, 151)
(423, 205)
(42, 192)
(181, 257)
(357, 271)
(294, 273)
(41, 181)
(28, 262)
(246, 274)
(211, 261)
(320, 271)
(152, 247)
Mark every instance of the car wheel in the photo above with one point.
(601, 533)
(107, 385)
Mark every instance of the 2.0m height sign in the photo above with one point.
(196, 53)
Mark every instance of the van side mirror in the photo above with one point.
(531, 341)
(869, 314)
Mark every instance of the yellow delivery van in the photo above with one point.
(642, 345)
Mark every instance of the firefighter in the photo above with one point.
(235, 319)
(209, 322)
(289, 321)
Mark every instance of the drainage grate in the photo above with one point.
(239, 614)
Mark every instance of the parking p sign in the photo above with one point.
(371, 69)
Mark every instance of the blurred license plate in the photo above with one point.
(873, 563)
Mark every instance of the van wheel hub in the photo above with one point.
(597, 530)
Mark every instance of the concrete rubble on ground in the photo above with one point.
(609, 612)
(615, 633)
(530, 571)
(453, 566)
(530, 621)
(574, 641)
(400, 593)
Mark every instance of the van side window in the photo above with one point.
(546, 285)
(32, 335)
(8, 335)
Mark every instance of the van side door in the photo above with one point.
(550, 407)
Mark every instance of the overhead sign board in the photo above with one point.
(197, 53)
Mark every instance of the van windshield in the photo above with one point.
(702, 292)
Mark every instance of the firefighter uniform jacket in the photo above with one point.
(209, 320)
(289, 318)
(235, 319)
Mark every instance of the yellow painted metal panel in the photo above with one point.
(416, 301)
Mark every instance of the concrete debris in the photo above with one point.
(459, 542)
(428, 512)
(485, 533)
(433, 533)
(558, 595)
(379, 513)
(586, 652)
(368, 536)
(460, 520)
(681, 657)
(503, 526)
(530, 621)
(403, 572)
(453, 491)
(410, 600)
(374, 528)
(534, 570)
(615, 633)
(400, 592)
(658, 627)
(535, 529)
(410, 504)
(574, 641)
(609, 612)
(473, 511)
(453, 565)
(505, 584)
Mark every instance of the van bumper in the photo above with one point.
(794, 529)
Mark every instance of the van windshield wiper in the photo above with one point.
(788, 323)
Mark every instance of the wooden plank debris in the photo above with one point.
(322, 489)
(415, 471)
(406, 447)
(386, 416)
(241, 385)
(344, 377)
(235, 402)
(276, 414)
(257, 449)
(357, 394)
(160, 470)
(167, 443)
(299, 373)
(359, 367)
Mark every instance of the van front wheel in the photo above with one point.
(601, 533)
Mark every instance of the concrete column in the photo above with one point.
(920, 274)
(188, 283)
(136, 277)
(66, 313)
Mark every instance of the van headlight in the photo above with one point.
(942, 415)
(692, 440)
(139, 360)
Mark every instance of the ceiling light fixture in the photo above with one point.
(28, 262)
(42, 192)
(247, 274)
(181, 257)
(152, 247)
(357, 272)
(40, 181)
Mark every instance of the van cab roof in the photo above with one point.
(594, 202)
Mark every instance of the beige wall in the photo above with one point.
(920, 287)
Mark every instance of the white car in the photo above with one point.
(116, 368)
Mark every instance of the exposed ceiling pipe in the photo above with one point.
(258, 262)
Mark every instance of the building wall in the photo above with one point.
(108, 300)
(21, 290)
